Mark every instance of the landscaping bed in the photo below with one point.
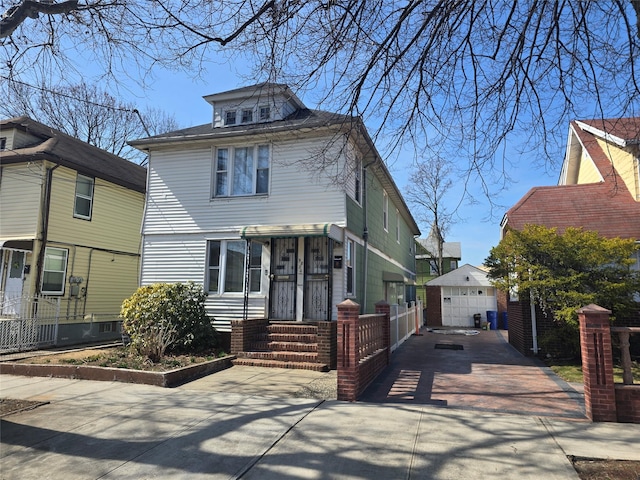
(120, 364)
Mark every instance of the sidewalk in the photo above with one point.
(92, 430)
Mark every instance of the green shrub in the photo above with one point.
(167, 317)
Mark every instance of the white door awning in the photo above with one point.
(284, 231)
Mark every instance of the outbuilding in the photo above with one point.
(455, 297)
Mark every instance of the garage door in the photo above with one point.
(459, 304)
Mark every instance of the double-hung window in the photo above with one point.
(241, 171)
(385, 211)
(84, 197)
(54, 271)
(350, 264)
(227, 266)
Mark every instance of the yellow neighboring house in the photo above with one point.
(70, 217)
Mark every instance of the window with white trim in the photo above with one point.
(54, 271)
(242, 171)
(385, 211)
(397, 225)
(247, 115)
(230, 117)
(227, 264)
(358, 181)
(350, 252)
(265, 113)
(84, 197)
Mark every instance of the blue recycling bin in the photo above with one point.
(505, 323)
(492, 319)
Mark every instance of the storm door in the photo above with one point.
(283, 279)
(317, 279)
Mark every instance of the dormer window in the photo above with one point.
(247, 116)
(265, 113)
(230, 117)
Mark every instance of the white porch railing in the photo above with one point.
(28, 322)
(405, 319)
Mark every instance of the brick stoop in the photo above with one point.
(284, 345)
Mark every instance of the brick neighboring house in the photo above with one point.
(598, 190)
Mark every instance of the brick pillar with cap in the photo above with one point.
(348, 350)
(597, 363)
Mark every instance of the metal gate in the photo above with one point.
(284, 259)
(317, 278)
(28, 322)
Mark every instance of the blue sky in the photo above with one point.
(178, 94)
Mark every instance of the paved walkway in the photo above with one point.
(478, 372)
(108, 430)
(240, 424)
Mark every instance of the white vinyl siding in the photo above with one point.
(183, 258)
(180, 188)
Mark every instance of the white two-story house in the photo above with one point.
(280, 211)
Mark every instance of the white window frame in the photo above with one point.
(385, 211)
(264, 113)
(350, 266)
(257, 171)
(230, 115)
(82, 196)
(47, 252)
(397, 225)
(223, 264)
(246, 115)
(357, 193)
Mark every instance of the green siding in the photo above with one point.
(401, 252)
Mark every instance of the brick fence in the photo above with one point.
(606, 401)
(364, 346)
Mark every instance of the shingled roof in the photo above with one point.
(606, 207)
(58, 147)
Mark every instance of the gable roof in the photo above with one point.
(606, 207)
(464, 276)
(58, 147)
(449, 249)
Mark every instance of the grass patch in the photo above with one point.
(571, 370)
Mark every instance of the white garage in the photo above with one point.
(463, 293)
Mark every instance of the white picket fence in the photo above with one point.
(28, 322)
(405, 319)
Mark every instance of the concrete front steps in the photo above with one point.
(284, 345)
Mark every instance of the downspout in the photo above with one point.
(46, 204)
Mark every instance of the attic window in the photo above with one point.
(265, 113)
(247, 116)
(230, 117)
(3, 143)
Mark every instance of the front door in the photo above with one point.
(13, 282)
(283, 279)
(317, 279)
